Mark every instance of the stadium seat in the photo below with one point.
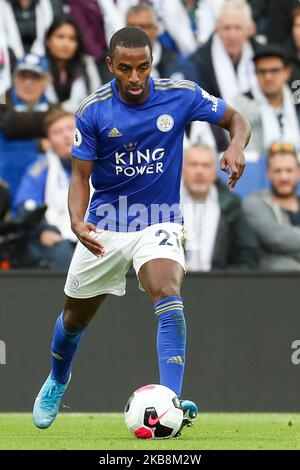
(254, 177)
(15, 157)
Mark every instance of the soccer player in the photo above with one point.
(129, 140)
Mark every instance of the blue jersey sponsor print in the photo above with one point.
(137, 151)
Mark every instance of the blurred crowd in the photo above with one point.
(53, 55)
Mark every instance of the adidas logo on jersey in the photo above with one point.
(114, 133)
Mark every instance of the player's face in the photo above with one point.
(199, 171)
(61, 134)
(131, 68)
(272, 74)
(283, 174)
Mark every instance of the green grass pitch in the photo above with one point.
(108, 431)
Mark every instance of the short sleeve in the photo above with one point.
(85, 139)
(206, 107)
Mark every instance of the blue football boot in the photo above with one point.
(190, 412)
(47, 402)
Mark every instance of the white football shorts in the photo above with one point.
(90, 275)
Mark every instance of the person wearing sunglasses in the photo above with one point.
(274, 214)
(269, 106)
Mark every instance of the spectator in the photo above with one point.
(223, 66)
(206, 15)
(273, 18)
(183, 36)
(170, 19)
(144, 17)
(191, 7)
(275, 214)
(13, 252)
(59, 6)
(5, 78)
(47, 181)
(269, 105)
(25, 23)
(4, 200)
(89, 17)
(7, 235)
(26, 106)
(292, 46)
(218, 237)
(75, 75)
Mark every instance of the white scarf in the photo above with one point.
(79, 89)
(231, 82)
(5, 80)
(78, 93)
(201, 220)
(157, 52)
(56, 196)
(272, 132)
(114, 18)
(207, 13)
(44, 17)
(201, 133)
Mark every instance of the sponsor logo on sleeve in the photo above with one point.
(77, 138)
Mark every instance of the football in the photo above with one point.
(153, 412)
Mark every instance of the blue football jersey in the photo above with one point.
(137, 151)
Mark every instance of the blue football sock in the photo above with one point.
(64, 346)
(171, 340)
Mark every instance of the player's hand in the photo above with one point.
(84, 231)
(233, 163)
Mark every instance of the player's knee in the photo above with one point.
(167, 290)
(72, 323)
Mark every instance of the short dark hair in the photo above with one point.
(129, 37)
(271, 50)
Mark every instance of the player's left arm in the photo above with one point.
(233, 161)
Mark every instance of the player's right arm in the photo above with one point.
(84, 152)
(78, 200)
